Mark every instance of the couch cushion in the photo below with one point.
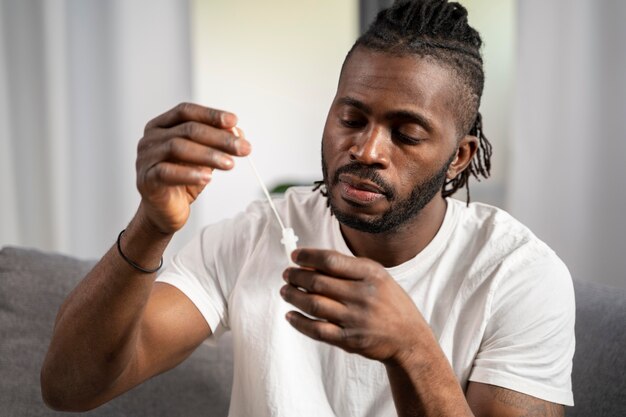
(33, 285)
(599, 361)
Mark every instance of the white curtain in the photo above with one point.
(78, 81)
(567, 178)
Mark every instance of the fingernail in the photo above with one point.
(242, 146)
(283, 291)
(229, 118)
(205, 177)
(286, 275)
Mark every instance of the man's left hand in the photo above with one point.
(357, 306)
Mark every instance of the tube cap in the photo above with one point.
(289, 242)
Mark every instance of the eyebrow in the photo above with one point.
(396, 114)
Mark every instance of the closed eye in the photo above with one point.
(409, 140)
(352, 123)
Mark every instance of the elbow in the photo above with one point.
(60, 396)
(54, 400)
(52, 393)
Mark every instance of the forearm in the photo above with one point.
(425, 385)
(97, 326)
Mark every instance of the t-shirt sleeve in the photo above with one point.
(207, 268)
(528, 344)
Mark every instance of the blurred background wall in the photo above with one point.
(80, 78)
(567, 174)
(78, 81)
(277, 68)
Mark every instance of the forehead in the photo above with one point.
(400, 82)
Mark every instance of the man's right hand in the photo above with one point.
(176, 158)
(118, 328)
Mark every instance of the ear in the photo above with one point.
(465, 151)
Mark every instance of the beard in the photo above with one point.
(401, 211)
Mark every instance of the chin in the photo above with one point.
(364, 222)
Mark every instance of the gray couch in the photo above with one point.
(33, 285)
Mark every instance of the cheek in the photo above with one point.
(414, 167)
(412, 173)
(327, 149)
(334, 147)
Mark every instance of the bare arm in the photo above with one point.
(433, 390)
(363, 310)
(117, 328)
(490, 400)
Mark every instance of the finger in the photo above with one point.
(314, 304)
(314, 282)
(335, 264)
(169, 173)
(186, 152)
(318, 330)
(224, 140)
(185, 112)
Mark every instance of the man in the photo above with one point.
(403, 302)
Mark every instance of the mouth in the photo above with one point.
(359, 191)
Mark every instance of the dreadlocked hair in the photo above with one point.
(480, 165)
(438, 30)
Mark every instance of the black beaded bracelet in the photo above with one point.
(130, 262)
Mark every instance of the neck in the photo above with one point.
(398, 246)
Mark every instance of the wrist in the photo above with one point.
(416, 360)
(133, 263)
(418, 350)
(142, 223)
(424, 383)
(143, 244)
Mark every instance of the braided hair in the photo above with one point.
(438, 29)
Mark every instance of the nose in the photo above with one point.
(371, 148)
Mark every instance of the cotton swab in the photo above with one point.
(289, 237)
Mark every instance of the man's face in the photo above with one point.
(388, 140)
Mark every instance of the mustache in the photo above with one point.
(366, 173)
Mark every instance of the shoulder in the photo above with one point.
(528, 340)
(490, 223)
(516, 263)
(498, 239)
(523, 265)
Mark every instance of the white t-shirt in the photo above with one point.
(499, 301)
